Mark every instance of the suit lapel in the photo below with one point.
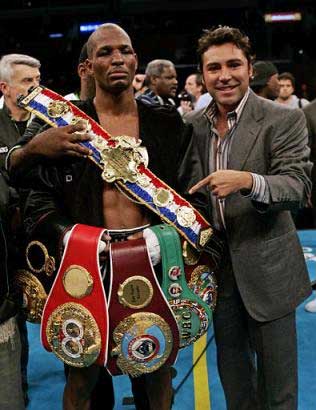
(246, 133)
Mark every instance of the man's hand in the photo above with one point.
(225, 182)
(186, 106)
(57, 142)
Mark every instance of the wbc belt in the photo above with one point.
(192, 313)
(143, 330)
(200, 273)
(124, 162)
(75, 317)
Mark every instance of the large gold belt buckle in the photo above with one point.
(122, 161)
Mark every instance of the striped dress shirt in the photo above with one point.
(219, 156)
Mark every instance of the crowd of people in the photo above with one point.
(234, 142)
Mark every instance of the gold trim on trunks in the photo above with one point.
(77, 281)
(74, 335)
(48, 266)
(135, 292)
(34, 295)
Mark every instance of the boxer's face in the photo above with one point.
(113, 61)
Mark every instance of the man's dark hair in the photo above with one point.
(219, 35)
(287, 76)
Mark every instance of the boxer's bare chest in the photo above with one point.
(120, 212)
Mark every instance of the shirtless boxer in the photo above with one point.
(70, 190)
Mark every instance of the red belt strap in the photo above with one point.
(75, 317)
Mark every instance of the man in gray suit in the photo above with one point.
(253, 157)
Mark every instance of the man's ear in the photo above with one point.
(82, 70)
(250, 68)
(3, 87)
(88, 67)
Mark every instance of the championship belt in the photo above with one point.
(143, 330)
(33, 294)
(124, 162)
(200, 273)
(35, 280)
(192, 313)
(75, 317)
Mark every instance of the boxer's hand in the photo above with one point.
(152, 244)
(103, 243)
(57, 142)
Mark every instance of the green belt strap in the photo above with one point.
(193, 315)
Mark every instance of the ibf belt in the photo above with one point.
(193, 315)
(75, 317)
(143, 330)
(124, 162)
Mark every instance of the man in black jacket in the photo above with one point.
(71, 183)
(10, 347)
(18, 72)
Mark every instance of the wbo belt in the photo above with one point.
(124, 162)
(75, 317)
(192, 313)
(143, 330)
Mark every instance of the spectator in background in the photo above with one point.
(194, 86)
(161, 77)
(18, 73)
(87, 84)
(265, 82)
(286, 95)
(11, 397)
(203, 101)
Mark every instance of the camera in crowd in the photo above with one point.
(185, 96)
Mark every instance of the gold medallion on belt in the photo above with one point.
(135, 292)
(57, 109)
(77, 281)
(144, 343)
(73, 335)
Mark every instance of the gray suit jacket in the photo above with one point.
(310, 114)
(267, 258)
